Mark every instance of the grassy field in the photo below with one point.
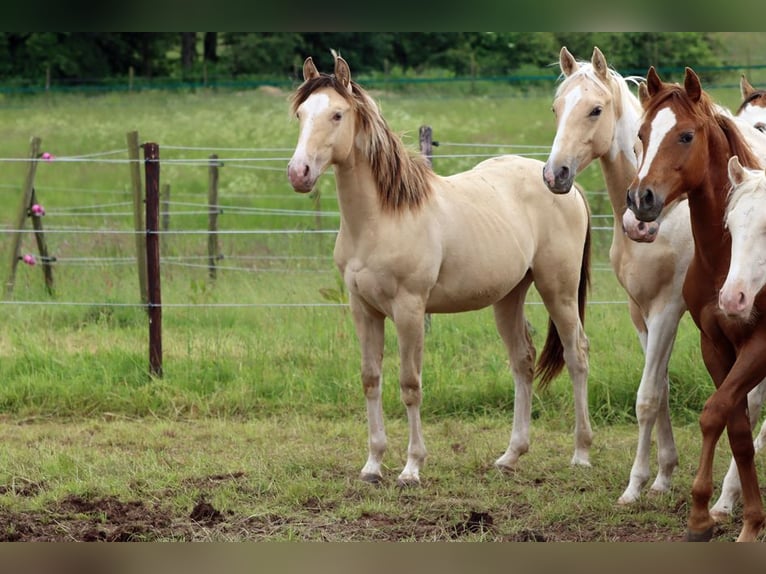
(249, 384)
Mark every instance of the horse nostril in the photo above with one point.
(305, 171)
(629, 201)
(741, 301)
(563, 172)
(648, 198)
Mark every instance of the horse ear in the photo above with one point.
(643, 94)
(736, 171)
(309, 70)
(567, 62)
(745, 88)
(653, 82)
(599, 63)
(343, 72)
(692, 85)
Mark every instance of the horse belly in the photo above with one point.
(471, 287)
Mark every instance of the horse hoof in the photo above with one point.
(505, 469)
(703, 536)
(371, 478)
(407, 482)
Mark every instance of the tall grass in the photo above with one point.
(59, 359)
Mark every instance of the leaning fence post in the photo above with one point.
(42, 245)
(138, 210)
(152, 174)
(212, 206)
(29, 182)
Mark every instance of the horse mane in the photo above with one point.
(403, 176)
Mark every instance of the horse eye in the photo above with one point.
(595, 112)
(686, 137)
(337, 116)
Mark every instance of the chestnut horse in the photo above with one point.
(687, 144)
(412, 242)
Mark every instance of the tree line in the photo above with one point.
(92, 57)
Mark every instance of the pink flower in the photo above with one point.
(48, 156)
(38, 209)
(29, 259)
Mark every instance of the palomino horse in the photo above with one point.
(412, 242)
(687, 145)
(753, 106)
(597, 117)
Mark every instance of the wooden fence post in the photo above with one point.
(42, 245)
(152, 175)
(138, 213)
(212, 206)
(29, 182)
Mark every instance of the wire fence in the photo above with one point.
(117, 209)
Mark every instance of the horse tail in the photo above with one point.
(551, 360)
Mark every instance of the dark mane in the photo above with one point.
(403, 176)
(753, 96)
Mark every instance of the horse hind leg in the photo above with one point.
(560, 300)
(731, 488)
(513, 329)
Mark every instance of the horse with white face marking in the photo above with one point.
(597, 117)
(412, 242)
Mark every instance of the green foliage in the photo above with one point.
(101, 58)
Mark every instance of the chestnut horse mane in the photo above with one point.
(705, 111)
(403, 177)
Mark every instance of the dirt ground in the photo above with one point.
(109, 519)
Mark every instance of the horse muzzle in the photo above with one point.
(301, 177)
(644, 203)
(558, 180)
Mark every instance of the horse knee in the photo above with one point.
(409, 388)
(371, 385)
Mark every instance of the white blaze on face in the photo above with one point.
(662, 123)
(570, 101)
(310, 109)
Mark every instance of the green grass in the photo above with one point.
(251, 387)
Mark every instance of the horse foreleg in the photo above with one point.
(652, 406)
(731, 488)
(408, 317)
(370, 330)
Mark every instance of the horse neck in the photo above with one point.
(619, 164)
(707, 209)
(358, 197)
(618, 173)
